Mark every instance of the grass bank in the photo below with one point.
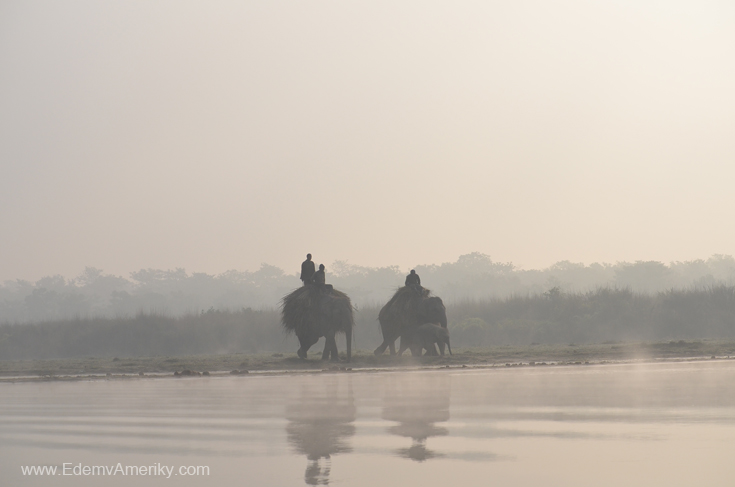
(534, 355)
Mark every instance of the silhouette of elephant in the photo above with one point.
(409, 308)
(312, 312)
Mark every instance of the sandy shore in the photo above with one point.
(135, 368)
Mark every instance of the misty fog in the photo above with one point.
(94, 294)
(559, 174)
(219, 135)
(489, 304)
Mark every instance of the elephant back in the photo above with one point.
(336, 311)
(314, 310)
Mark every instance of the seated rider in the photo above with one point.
(320, 277)
(413, 279)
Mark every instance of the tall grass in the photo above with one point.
(606, 314)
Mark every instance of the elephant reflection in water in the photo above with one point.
(416, 402)
(320, 423)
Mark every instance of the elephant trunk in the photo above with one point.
(449, 346)
(443, 320)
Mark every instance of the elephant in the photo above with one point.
(407, 309)
(426, 336)
(312, 312)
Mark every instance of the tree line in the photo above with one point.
(475, 276)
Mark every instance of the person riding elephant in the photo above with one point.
(307, 270)
(320, 277)
(413, 279)
(426, 336)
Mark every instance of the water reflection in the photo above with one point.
(320, 423)
(665, 424)
(416, 404)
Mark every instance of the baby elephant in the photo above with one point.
(429, 334)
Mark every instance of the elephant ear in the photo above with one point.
(433, 310)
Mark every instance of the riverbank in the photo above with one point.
(241, 364)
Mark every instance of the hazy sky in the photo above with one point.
(219, 135)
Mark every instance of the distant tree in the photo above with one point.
(473, 276)
(644, 276)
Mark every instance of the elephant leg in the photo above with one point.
(428, 344)
(333, 349)
(381, 348)
(441, 348)
(390, 335)
(411, 339)
(389, 340)
(387, 343)
(414, 344)
(404, 344)
(330, 347)
(327, 348)
(348, 337)
(306, 342)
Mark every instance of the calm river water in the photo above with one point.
(667, 424)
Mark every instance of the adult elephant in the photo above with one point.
(409, 308)
(312, 312)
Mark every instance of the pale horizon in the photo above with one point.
(293, 269)
(221, 136)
